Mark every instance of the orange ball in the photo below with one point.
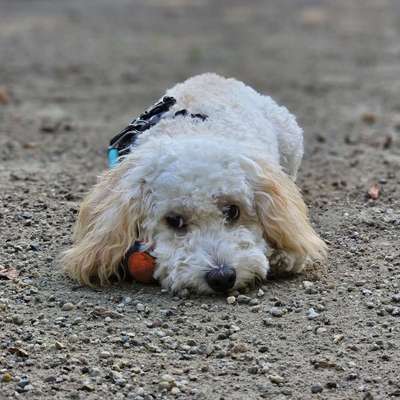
(141, 267)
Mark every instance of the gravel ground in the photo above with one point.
(73, 73)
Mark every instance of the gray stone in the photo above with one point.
(67, 307)
(277, 379)
(276, 312)
(312, 314)
(396, 298)
(316, 388)
(242, 299)
(396, 311)
(309, 287)
(17, 320)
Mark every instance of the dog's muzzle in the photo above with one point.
(221, 279)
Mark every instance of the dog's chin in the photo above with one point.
(185, 287)
(182, 279)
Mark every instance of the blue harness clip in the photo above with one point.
(113, 157)
(122, 144)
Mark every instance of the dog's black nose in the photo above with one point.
(221, 279)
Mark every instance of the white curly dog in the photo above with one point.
(213, 196)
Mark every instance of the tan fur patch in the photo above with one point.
(284, 215)
(105, 230)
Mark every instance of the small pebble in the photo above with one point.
(34, 247)
(337, 338)
(252, 370)
(308, 287)
(240, 348)
(87, 387)
(73, 338)
(18, 320)
(263, 389)
(140, 307)
(276, 312)
(396, 311)
(242, 299)
(231, 300)
(268, 322)
(366, 292)
(277, 379)
(58, 345)
(331, 385)
(23, 389)
(312, 314)
(23, 382)
(167, 378)
(396, 298)
(351, 377)
(260, 293)
(94, 371)
(67, 307)
(167, 382)
(164, 385)
(316, 388)
(7, 377)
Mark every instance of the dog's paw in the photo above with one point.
(283, 262)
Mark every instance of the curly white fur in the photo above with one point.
(246, 153)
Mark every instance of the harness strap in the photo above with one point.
(121, 144)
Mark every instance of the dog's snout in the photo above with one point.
(221, 279)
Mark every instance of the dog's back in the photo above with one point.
(239, 113)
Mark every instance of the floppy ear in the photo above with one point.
(283, 214)
(108, 224)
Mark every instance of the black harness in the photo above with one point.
(121, 144)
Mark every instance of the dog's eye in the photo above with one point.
(175, 221)
(231, 213)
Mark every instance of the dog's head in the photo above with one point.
(211, 212)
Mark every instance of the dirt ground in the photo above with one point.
(73, 73)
